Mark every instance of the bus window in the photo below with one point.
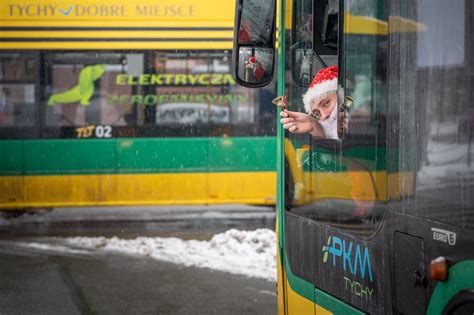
(325, 26)
(311, 51)
(17, 67)
(18, 111)
(148, 94)
(80, 91)
(432, 94)
(339, 181)
(364, 75)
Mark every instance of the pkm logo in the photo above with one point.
(353, 257)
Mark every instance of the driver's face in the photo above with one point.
(323, 107)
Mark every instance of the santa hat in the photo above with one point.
(324, 82)
(252, 59)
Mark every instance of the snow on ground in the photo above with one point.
(249, 253)
(52, 248)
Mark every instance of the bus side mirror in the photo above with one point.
(253, 55)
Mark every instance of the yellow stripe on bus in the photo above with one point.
(17, 192)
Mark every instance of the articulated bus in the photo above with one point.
(128, 103)
(379, 220)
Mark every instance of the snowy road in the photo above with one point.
(161, 260)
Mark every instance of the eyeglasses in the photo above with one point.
(316, 116)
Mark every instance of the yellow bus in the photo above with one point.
(128, 103)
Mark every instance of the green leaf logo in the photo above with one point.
(326, 250)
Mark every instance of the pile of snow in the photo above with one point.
(250, 253)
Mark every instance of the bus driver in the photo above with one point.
(320, 102)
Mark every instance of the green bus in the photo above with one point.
(126, 103)
(379, 220)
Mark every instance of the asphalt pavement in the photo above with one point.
(39, 281)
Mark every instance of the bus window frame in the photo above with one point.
(211, 129)
(345, 140)
(35, 131)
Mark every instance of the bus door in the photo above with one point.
(335, 187)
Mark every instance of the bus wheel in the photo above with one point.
(461, 304)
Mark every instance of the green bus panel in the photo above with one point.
(53, 157)
(248, 154)
(174, 155)
(145, 155)
(11, 157)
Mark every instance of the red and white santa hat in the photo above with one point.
(324, 82)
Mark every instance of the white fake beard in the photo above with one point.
(330, 125)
